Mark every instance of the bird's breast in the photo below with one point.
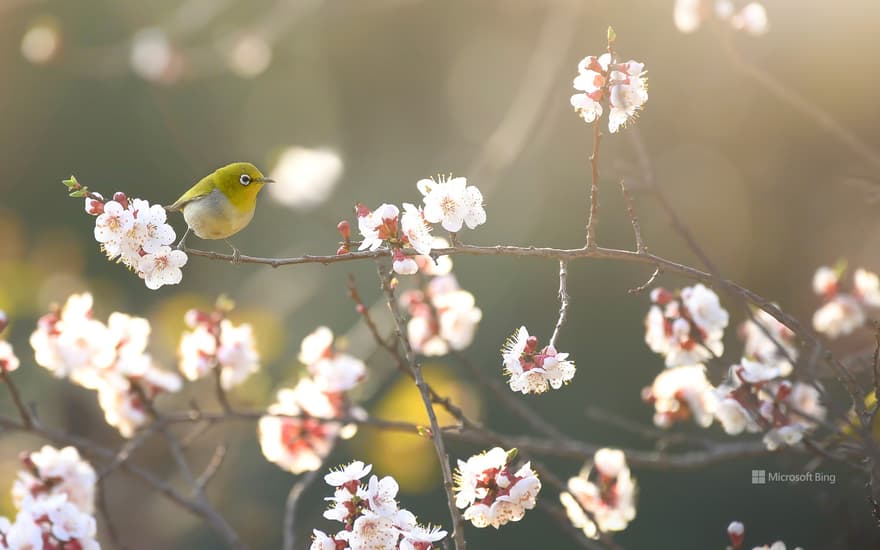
(215, 217)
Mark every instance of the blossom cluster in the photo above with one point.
(136, 233)
(844, 312)
(299, 432)
(756, 396)
(8, 360)
(689, 15)
(531, 369)
(603, 497)
(110, 358)
(737, 533)
(451, 202)
(623, 87)
(372, 517)
(442, 316)
(490, 492)
(54, 496)
(686, 327)
(215, 342)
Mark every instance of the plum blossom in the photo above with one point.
(756, 398)
(109, 358)
(736, 531)
(604, 80)
(686, 328)
(768, 341)
(844, 312)
(680, 393)
(377, 226)
(442, 317)
(216, 342)
(451, 202)
(300, 444)
(8, 360)
(531, 370)
(50, 471)
(371, 516)
(604, 488)
(50, 522)
(137, 234)
(332, 371)
(382, 226)
(490, 492)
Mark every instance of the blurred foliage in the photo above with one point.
(402, 89)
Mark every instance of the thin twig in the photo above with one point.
(213, 466)
(631, 211)
(290, 508)
(647, 284)
(563, 300)
(23, 411)
(593, 219)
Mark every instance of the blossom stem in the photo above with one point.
(593, 219)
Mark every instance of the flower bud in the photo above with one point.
(120, 197)
(736, 531)
(344, 229)
(343, 250)
(4, 321)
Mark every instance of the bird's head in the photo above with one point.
(240, 182)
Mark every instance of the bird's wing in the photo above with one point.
(197, 191)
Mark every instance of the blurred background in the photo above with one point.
(346, 101)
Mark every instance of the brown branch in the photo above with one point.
(25, 413)
(436, 433)
(290, 508)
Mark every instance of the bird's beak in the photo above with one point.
(267, 180)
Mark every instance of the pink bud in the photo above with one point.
(344, 229)
(736, 531)
(361, 210)
(661, 296)
(195, 317)
(532, 344)
(4, 321)
(120, 197)
(342, 250)
(94, 206)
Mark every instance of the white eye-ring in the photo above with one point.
(245, 179)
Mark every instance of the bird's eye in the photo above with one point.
(245, 179)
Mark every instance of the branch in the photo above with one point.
(563, 300)
(436, 433)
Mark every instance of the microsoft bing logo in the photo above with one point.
(759, 477)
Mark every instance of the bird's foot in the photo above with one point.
(236, 253)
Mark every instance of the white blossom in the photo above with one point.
(452, 203)
(162, 267)
(490, 493)
(531, 370)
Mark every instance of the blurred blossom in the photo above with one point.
(751, 19)
(249, 56)
(41, 43)
(604, 488)
(689, 15)
(305, 178)
(152, 55)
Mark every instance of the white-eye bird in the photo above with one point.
(221, 204)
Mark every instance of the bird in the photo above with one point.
(221, 204)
